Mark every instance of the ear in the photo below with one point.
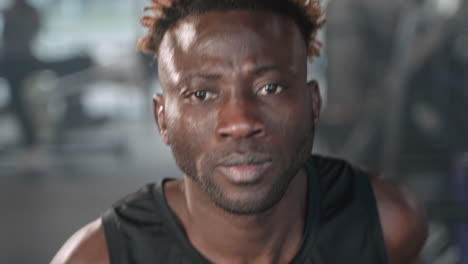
(160, 117)
(316, 100)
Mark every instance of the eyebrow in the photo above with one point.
(203, 75)
(265, 68)
(258, 70)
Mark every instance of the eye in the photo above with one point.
(271, 89)
(202, 95)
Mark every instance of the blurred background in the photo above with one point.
(76, 127)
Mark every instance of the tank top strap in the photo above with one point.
(308, 254)
(113, 237)
(365, 189)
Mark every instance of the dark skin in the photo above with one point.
(240, 117)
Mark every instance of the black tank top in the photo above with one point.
(342, 222)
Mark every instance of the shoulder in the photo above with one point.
(402, 219)
(87, 245)
(125, 218)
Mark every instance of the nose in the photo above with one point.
(239, 119)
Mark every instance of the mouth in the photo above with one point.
(245, 169)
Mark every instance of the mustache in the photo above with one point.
(240, 153)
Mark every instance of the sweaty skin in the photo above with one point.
(240, 117)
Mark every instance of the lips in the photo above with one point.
(244, 168)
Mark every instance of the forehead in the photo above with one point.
(230, 40)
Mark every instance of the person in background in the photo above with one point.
(22, 23)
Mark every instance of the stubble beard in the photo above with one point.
(255, 204)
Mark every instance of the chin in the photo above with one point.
(246, 199)
(247, 206)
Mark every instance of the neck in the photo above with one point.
(274, 236)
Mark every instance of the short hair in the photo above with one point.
(307, 14)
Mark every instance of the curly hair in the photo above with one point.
(307, 14)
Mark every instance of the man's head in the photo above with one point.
(307, 14)
(236, 107)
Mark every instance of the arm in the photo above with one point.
(403, 222)
(88, 245)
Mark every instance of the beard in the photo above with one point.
(202, 172)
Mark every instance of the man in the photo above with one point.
(239, 116)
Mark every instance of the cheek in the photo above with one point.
(189, 135)
(292, 123)
(193, 130)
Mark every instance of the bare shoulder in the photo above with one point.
(402, 219)
(87, 245)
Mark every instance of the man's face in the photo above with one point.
(236, 110)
